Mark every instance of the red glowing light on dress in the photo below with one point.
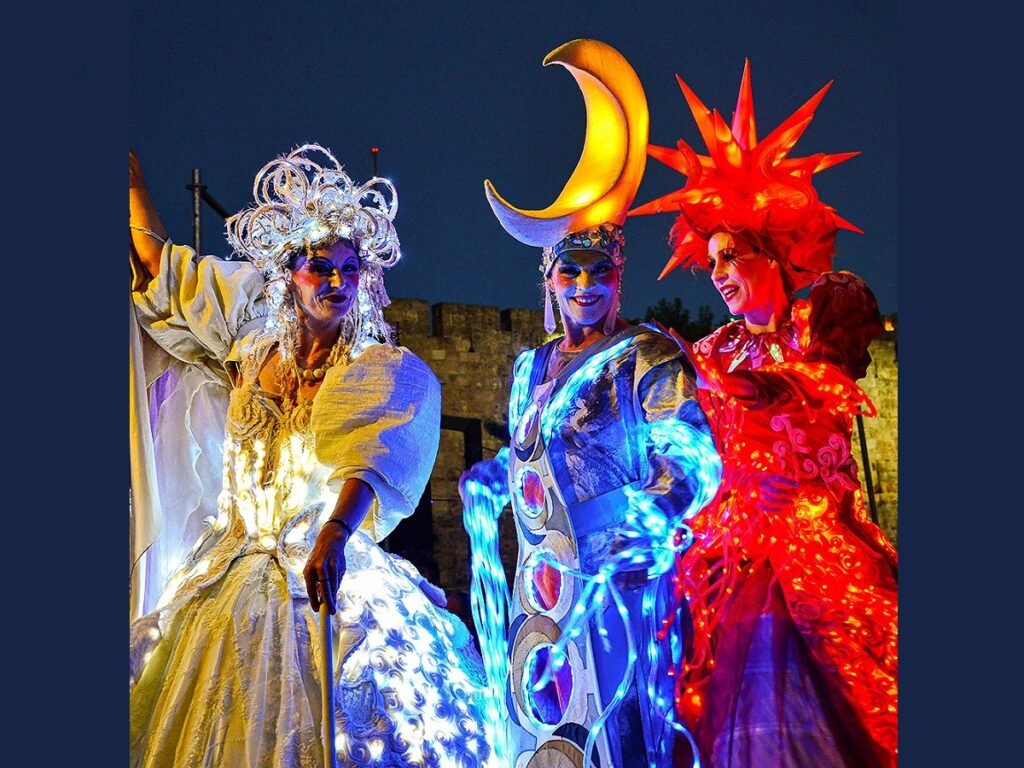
(781, 405)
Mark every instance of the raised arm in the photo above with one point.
(146, 233)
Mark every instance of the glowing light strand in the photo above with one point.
(520, 384)
(566, 395)
(652, 538)
(485, 494)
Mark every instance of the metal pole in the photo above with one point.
(197, 200)
(209, 199)
(866, 466)
(327, 685)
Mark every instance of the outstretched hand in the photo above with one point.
(490, 475)
(146, 233)
(777, 493)
(325, 567)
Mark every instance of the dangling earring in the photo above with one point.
(612, 316)
(549, 312)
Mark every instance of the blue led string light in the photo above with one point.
(520, 385)
(485, 494)
(652, 541)
(585, 374)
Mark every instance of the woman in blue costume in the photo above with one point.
(609, 454)
(330, 435)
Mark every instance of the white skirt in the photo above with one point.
(232, 677)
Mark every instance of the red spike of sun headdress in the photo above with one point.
(751, 188)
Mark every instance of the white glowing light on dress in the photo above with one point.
(376, 747)
(393, 642)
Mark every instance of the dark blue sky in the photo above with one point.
(454, 93)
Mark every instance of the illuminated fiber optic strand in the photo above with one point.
(485, 495)
(654, 539)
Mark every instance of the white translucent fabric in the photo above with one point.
(234, 679)
(224, 671)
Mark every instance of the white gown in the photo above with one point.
(224, 671)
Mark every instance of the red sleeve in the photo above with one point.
(843, 321)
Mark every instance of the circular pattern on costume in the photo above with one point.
(525, 439)
(527, 425)
(558, 702)
(557, 754)
(548, 705)
(530, 491)
(542, 583)
(531, 495)
(541, 586)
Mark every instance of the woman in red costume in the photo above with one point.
(791, 587)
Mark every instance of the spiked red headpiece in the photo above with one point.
(750, 187)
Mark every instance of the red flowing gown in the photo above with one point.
(794, 656)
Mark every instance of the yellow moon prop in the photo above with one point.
(608, 174)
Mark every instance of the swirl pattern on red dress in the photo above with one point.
(813, 568)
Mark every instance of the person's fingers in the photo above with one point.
(330, 588)
(312, 587)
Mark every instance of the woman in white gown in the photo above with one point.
(330, 435)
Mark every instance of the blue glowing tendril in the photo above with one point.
(484, 497)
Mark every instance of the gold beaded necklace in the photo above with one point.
(312, 374)
(316, 374)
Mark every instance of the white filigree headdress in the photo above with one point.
(300, 205)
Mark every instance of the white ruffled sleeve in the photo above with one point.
(200, 309)
(378, 419)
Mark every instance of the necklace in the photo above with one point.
(316, 374)
(312, 374)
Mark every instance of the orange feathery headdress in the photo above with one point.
(748, 186)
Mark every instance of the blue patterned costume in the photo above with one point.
(605, 462)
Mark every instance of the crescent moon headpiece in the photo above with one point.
(302, 204)
(589, 212)
(752, 187)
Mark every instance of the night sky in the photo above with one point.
(454, 93)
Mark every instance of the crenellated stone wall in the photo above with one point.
(471, 348)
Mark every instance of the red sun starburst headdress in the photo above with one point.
(750, 186)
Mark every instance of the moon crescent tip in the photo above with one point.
(608, 173)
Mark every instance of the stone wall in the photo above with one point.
(471, 348)
(881, 432)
